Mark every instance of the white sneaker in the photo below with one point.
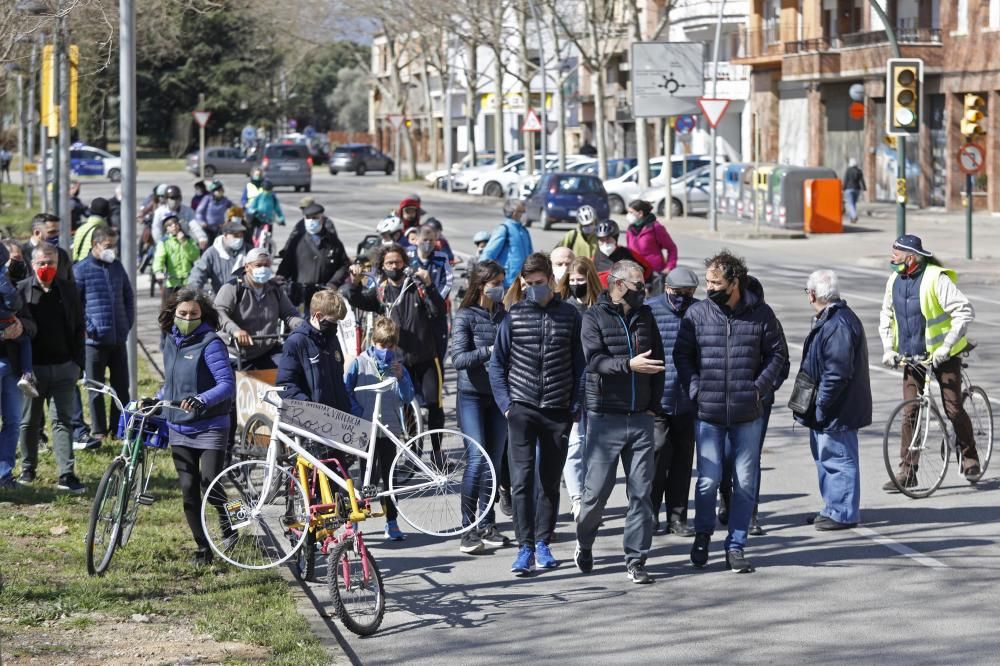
(27, 385)
(577, 503)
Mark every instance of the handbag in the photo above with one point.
(803, 394)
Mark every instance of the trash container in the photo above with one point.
(823, 206)
(732, 187)
(786, 187)
(761, 178)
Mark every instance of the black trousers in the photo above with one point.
(428, 379)
(385, 451)
(673, 439)
(535, 518)
(103, 360)
(195, 470)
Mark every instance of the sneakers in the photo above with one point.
(755, 528)
(493, 537)
(28, 385)
(92, 443)
(71, 484)
(506, 508)
(699, 551)
(392, 531)
(472, 543)
(524, 564)
(636, 572)
(584, 559)
(202, 557)
(827, 524)
(544, 556)
(577, 503)
(679, 528)
(8, 483)
(27, 477)
(903, 480)
(737, 563)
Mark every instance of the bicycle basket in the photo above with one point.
(154, 430)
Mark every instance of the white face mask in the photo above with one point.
(558, 272)
(235, 244)
(108, 255)
(313, 226)
(631, 219)
(607, 248)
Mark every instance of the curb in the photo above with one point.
(317, 618)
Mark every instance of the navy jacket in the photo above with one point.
(108, 300)
(472, 336)
(835, 356)
(729, 361)
(312, 368)
(197, 364)
(674, 401)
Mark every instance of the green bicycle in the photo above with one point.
(122, 489)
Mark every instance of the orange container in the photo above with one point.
(824, 206)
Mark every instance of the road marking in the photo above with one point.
(902, 549)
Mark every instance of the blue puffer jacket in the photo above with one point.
(312, 368)
(835, 356)
(729, 361)
(212, 212)
(675, 401)
(509, 246)
(473, 333)
(108, 300)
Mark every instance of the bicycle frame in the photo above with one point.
(924, 366)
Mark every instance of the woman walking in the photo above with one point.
(649, 239)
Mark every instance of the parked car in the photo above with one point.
(616, 167)
(359, 158)
(439, 177)
(625, 189)
(526, 183)
(288, 165)
(497, 183)
(90, 161)
(220, 160)
(558, 196)
(689, 196)
(460, 181)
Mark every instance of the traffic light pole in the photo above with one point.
(968, 216)
(901, 141)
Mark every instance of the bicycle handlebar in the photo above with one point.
(98, 387)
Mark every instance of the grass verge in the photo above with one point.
(13, 214)
(154, 605)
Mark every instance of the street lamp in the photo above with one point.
(127, 140)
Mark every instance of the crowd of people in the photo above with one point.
(568, 362)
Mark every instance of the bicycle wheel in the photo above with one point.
(977, 406)
(304, 566)
(134, 491)
(927, 447)
(106, 518)
(246, 517)
(356, 587)
(431, 500)
(255, 439)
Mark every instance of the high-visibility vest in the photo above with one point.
(938, 321)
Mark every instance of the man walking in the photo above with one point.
(854, 183)
(624, 380)
(510, 242)
(925, 315)
(730, 353)
(835, 357)
(535, 372)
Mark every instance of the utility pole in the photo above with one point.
(544, 69)
(201, 139)
(29, 147)
(65, 219)
(713, 199)
(127, 137)
(900, 141)
(448, 148)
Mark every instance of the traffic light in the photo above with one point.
(973, 119)
(904, 78)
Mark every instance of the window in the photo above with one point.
(577, 185)
(286, 152)
(962, 16)
(995, 13)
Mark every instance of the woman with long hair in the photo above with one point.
(479, 417)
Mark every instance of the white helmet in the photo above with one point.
(586, 216)
(390, 225)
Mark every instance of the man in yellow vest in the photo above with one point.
(925, 315)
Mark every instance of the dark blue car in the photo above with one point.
(558, 196)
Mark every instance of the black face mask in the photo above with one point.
(578, 291)
(679, 302)
(327, 326)
(718, 296)
(18, 270)
(634, 299)
(394, 274)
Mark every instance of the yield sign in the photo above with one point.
(201, 117)
(532, 123)
(713, 109)
(396, 119)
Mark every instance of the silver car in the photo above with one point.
(220, 160)
(288, 164)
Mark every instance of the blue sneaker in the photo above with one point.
(525, 562)
(544, 555)
(392, 531)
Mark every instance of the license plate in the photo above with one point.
(572, 213)
(288, 168)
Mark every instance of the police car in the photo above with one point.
(87, 160)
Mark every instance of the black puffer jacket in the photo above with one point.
(610, 340)
(415, 308)
(729, 361)
(537, 358)
(472, 336)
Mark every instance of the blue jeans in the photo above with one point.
(743, 441)
(481, 419)
(851, 203)
(575, 471)
(10, 413)
(839, 469)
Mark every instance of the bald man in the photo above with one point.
(561, 258)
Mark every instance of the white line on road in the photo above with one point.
(902, 549)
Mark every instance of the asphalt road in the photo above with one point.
(912, 584)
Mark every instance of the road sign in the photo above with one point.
(667, 77)
(396, 120)
(685, 123)
(856, 110)
(201, 117)
(532, 123)
(713, 109)
(971, 159)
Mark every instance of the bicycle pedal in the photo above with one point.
(369, 492)
(145, 500)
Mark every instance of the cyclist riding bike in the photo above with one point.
(253, 186)
(173, 203)
(924, 315)
(265, 207)
(583, 239)
(390, 230)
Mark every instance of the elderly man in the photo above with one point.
(835, 359)
(561, 258)
(925, 315)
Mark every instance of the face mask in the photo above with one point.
(898, 267)
(218, 194)
(327, 326)
(607, 249)
(426, 247)
(579, 291)
(631, 219)
(108, 255)
(495, 294)
(634, 299)
(186, 326)
(53, 240)
(235, 244)
(262, 274)
(718, 296)
(173, 204)
(558, 272)
(383, 356)
(313, 226)
(394, 274)
(537, 293)
(588, 230)
(46, 274)
(18, 270)
(679, 302)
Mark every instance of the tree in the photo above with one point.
(349, 100)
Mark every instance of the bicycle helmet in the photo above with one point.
(215, 185)
(389, 225)
(607, 228)
(586, 216)
(433, 223)
(161, 190)
(481, 237)
(173, 192)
